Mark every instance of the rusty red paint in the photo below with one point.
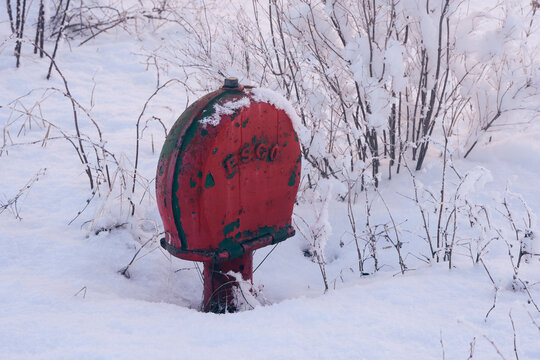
(226, 190)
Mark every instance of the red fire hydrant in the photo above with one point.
(226, 183)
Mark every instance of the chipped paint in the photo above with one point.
(209, 182)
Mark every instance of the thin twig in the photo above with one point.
(57, 40)
(514, 331)
(124, 271)
(494, 346)
(267, 255)
(135, 168)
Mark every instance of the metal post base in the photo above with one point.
(219, 295)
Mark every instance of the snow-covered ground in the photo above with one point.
(62, 296)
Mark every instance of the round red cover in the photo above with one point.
(228, 188)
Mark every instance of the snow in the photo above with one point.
(62, 296)
(261, 94)
(227, 108)
(257, 95)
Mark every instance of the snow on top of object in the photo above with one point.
(258, 95)
(227, 108)
(280, 102)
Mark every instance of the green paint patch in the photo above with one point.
(199, 175)
(214, 151)
(292, 179)
(192, 183)
(245, 123)
(186, 140)
(230, 227)
(209, 182)
(237, 124)
(278, 234)
(234, 248)
(204, 132)
(266, 230)
(281, 234)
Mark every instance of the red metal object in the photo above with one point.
(225, 190)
